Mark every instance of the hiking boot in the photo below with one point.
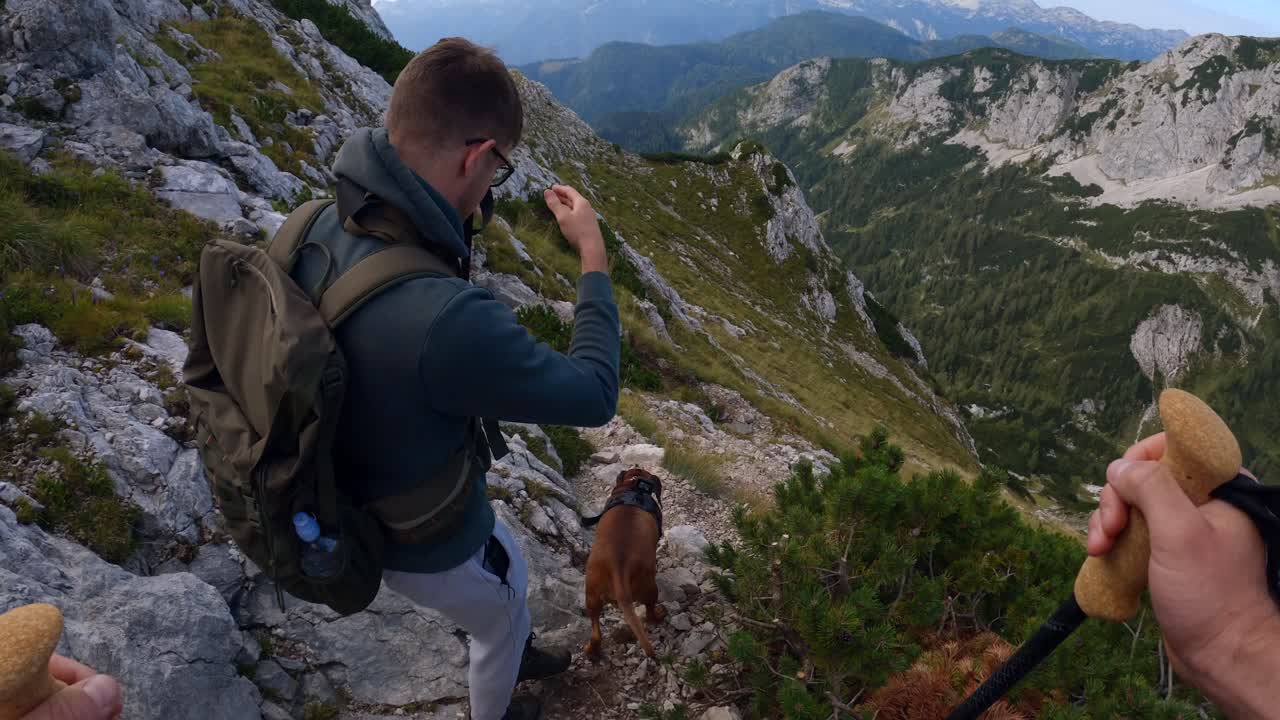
(538, 664)
(524, 707)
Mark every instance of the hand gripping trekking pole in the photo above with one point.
(1202, 454)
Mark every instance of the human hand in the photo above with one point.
(578, 223)
(88, 695)
(1206, 576)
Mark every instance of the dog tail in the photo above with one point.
(622, 594)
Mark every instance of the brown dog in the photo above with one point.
(623, 564)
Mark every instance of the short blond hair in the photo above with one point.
(454, 91)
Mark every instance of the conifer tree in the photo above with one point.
(846, 580)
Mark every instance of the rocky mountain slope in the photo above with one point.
(1068, 237)
(135, 130)
(526, 32)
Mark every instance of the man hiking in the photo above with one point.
(430, 356)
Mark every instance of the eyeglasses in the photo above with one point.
(504, 171)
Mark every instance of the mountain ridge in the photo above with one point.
(672, 80)
(526, 33)
(1148, 187)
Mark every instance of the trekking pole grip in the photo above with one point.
(1202, 454)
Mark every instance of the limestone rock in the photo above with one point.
(274, 681)
(272, 711)
(200, 189)
(393, 653)
(724, 712)
(25, 142)
(686, 542)
(605, 457)
(680, 622)
(73, 36)
(1165, 343)
(647, 456)
(165, 480)
(11, 495)
(261, 172)
(217, 564)
(317, 688)
(697, 640)
(790, 96)
(191, 639)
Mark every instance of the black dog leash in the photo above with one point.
(1260, 502)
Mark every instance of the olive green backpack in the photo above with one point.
(266, 381)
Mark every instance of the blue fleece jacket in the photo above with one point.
(427, 355)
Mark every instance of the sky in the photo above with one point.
(1233, 17)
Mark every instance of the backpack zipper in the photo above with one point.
(260, 487)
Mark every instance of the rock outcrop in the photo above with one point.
(170, 639)
(1195, 125)
(96, 79)
(1165, 343)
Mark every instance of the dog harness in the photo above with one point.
(643, 496)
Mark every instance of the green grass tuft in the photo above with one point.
(80, 502)
(320, 711)
(700, 469)
(573, 449)
(246, 78)
(60, 230)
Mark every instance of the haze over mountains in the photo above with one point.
(620, 78)
(525, 32)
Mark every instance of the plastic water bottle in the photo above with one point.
(320, 558)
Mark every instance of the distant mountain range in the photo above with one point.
(632, 92)
(941, 19)
(525, 31)
(1065, 238)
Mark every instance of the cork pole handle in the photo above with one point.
(28, 636)
(1201, 454)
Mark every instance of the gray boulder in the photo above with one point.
(393, 653)
(217, 564)
(169, 639)
(25, 142)
(261, 172)
(200, 189)
(274, 681)
(686, 542)
(164, 479)
(75, 37)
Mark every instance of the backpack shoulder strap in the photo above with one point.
(375, 273)
(284, 246)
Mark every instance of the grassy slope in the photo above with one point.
(248, 77)
(716, 259)
(1008, 316)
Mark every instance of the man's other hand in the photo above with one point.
(578, 222)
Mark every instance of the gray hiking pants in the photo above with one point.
(493, 612)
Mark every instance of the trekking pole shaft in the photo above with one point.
(1065, 620)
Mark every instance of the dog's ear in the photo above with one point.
(621, 475)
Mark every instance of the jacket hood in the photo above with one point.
(368, 159)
